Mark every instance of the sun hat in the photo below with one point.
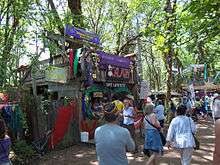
(119, 105)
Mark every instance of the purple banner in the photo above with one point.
(108, 59)
(82, 34)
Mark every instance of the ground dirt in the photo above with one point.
(85, 154)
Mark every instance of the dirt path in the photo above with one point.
(85, 155)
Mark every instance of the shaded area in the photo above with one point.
(85, 155)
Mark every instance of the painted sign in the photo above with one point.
(82, 34)
(106, 59)
(56, 74)
(115, 85)
(118, 73)
(97, 94)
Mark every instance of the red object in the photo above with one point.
(137, 121)
(91, 130)
(71, 63)
(64, 117)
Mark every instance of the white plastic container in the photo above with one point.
(84, 136)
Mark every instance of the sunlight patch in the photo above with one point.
(79, 155)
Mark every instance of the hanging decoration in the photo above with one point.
(84, 107)
(76, 61)
(89, 71)
(95, 60)
(62, 123)
(71, 63)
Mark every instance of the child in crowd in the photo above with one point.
(5, 143)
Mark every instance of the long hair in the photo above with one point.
(2, 129)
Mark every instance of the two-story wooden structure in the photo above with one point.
(72, 87)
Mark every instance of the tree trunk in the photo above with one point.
(168, 56)
(201, 53)
(76, 10)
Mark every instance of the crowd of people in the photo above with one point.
(117, 136)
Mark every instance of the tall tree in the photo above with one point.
(13, 21)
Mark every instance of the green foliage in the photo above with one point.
(191, 31)
(23, 152)
(12, 30)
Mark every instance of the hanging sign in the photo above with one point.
(82, 34)
(108, 59)
(199, 73)
(56, 74)
(115, 85)
(97, 94)
(117, 73)
(144, 89)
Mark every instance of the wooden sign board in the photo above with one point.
(97, 94)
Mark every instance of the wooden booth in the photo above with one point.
(71, 88)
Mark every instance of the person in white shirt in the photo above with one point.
(180, 136)
(128, 122)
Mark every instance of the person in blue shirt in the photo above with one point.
(159, 111)
(111, 140)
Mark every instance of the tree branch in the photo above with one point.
(56, 15)
(92, 22)
(99, 16)
(139, 35)
(120, 32)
